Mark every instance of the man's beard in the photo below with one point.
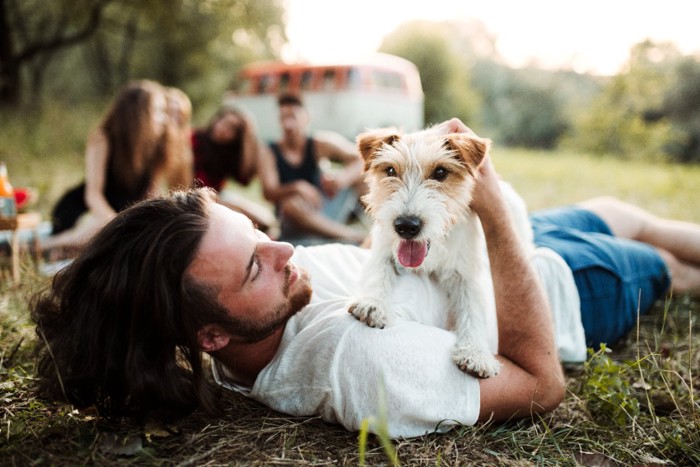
(254, 331)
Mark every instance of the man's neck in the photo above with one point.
(244, 361)
(294, 142)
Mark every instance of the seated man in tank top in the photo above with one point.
(313, 205)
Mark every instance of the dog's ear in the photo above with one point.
(370, 142)
(471, 149)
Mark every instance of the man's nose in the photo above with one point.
(280, 252)
(288, 123)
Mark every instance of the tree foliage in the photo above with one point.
(444, 74)
(33, 31)
(528, 107)
(648, 111)
(464, 76)
(681, 109)
(91, 47)
(83, 50)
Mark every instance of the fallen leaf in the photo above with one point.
(112, 443)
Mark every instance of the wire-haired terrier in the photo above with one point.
(420, 189)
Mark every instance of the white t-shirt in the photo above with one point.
(332, 365)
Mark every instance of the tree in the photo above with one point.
(618, 120)
(529, 107)
(681, 108)
(32, 31)
(444, 74)
(97, 45)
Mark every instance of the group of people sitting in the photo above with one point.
(145, 146)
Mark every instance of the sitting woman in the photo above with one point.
(125, 162)
(226, 149)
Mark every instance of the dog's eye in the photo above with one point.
(440, 174)
(390, 171)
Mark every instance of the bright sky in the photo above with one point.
(595, 35)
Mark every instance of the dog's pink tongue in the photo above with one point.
(411, 253)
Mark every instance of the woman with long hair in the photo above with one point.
(227, 149)
(125, 161)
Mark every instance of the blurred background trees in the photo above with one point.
(68, 53)
(78, 50)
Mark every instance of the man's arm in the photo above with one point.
(333, 146)
(531, 380)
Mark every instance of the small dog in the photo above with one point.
(420, 188)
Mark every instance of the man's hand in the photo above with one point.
(309, 193)
(454, 125)
(330, 184)
(487, 193)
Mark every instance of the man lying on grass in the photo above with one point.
(123, 327)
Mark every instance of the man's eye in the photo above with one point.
(440, 174)
(258, 265)
(390, 171)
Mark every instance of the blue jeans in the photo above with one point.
(616, 278)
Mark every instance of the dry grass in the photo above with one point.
(656, 370)
(654, 376)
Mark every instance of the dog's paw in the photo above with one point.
(475, 361)
(372, 314)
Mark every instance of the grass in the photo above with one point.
(636, 403)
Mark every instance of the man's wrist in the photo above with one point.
(494, 216)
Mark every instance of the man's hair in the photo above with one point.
(290, 99)
(118, 327)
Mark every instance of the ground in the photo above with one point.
(637, 405)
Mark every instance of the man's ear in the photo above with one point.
(212, 338)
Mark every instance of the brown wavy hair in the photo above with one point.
(136, 151)
(219, 158)
(117, 329)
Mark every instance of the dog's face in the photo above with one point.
(420, 184)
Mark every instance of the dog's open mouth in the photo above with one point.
(412, 253)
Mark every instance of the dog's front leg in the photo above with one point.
(469, 303)
(371, 305)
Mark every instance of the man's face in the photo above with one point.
(293, 119)
(255, 279)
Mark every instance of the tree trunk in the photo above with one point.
(12, 60)
(9, 67)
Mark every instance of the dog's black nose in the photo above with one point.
(408, 226)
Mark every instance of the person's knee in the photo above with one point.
(624, 219)
(294, 208)
(602, 204)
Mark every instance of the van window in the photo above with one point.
(284, 82)
(353, 79)
(386, 80)
(329, 79)
(306, 80)
(265, 84)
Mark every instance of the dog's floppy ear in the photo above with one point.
(470, 148)
(370, 142)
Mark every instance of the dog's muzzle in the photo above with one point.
(408, 227)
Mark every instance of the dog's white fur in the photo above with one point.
(428, 177)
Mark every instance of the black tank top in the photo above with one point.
(308, 169)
